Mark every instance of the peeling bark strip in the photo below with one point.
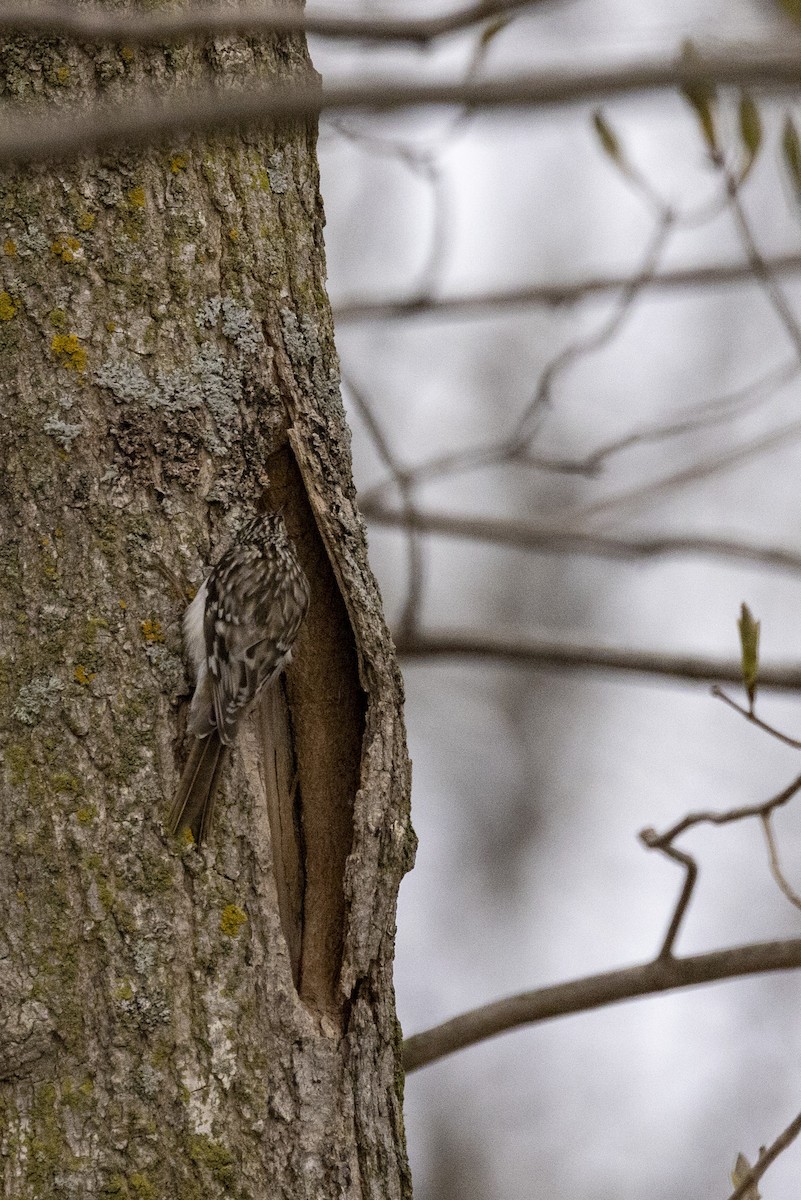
(326, 706)
(176, 1023)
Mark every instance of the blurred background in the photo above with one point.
(653, 412)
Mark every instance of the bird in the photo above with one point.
(239, 631)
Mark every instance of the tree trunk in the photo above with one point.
(179, 1022)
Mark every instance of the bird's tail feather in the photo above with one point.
(193, 807)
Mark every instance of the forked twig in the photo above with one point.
(751, 716)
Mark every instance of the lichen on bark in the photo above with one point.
(169, 366)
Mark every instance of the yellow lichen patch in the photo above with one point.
(69, 351)
(86, 814)
(9, 247)
(232, 919)
(233, 235)
(58, 318)
(123, 605)
(8, 308)
(67, 248)
(86, 220)
(126, 54)
(136, 197)
(152, 630)
(82, 676)
(62, 75)
(111, 326)
(178, 162)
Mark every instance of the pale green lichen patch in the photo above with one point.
(63, 432)
(235, 320)
(278, 174)
(36, 698)
(128, 383)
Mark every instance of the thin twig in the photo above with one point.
(596, 991)
(589, 344)
(703, 470)
(544, 652)
(703, 416)
(765, 1159)
(762, 271)
(775, 865)
(423, 163)
(414, 591)
(753, 719)
(697, 472)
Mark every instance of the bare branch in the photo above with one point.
(663, 842)
(596, 991)
(766, 1157)
(526, 535)
(554, 295)
(708, 817)
(154, 28)
(158, 118)
(653, 842)
(542, 652)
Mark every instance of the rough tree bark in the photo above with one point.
(177, 1022)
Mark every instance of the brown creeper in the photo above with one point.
(239, 631)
